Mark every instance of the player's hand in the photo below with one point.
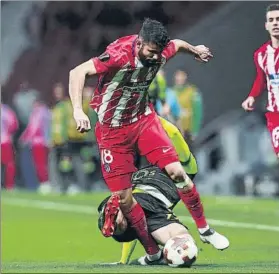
(203, 53)
(248, 104)
(82, 120)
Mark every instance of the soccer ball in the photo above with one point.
(180, 251)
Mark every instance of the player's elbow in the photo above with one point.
(75, 72)
(72, 74)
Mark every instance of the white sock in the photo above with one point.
(154, 257)
(202, 230)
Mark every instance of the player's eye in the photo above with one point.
(270, 19)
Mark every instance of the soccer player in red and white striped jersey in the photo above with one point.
(266, 59)
(127, 124)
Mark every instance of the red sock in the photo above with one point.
(193, 202)
(137, 220)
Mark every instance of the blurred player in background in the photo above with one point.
(59, 134)
(9, 125)
(68, 143)
(128, 123)
(190, 100)
(38, 137)
(266, 60)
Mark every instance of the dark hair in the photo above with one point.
(153, 31)
(128, 236)
(272, 7)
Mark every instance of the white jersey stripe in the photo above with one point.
(261, 60)
(273, 86)
(111, 88)
(106, 99)
(121, 106)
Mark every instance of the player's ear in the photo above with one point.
(139, 43)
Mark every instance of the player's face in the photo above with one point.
(121, 223)
(149, 54)
(272, 23)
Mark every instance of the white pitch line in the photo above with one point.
(57, 206)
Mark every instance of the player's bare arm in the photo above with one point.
(201, 52)
(76, 84)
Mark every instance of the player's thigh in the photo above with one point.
(163, 234)
(117, 162)
(155, 145)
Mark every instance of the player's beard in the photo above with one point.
(146, 62)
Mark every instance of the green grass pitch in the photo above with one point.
(59, 234)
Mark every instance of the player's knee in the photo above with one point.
(176, 172)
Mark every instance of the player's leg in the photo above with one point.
(273, 128)
(8, 161)
(185, 156)
(163, 234)
(117, 163)
(162, 153)
(164, 225)
(40, 157)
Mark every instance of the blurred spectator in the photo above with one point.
(89, 157)
(73, 150)
(157, 92)
(9, 124)
(190, 101)
(37, 137)
(59, 136)
(171, 109)
(23, 101)
(80, 145)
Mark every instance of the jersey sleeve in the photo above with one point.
(260, 81)
(169, 51)
(106, 62)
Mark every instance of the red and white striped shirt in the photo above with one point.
(121, 97)
(38, 128)
(266, 59)
(9, 124)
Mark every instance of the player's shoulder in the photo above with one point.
(120, 48)
(262, 48)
